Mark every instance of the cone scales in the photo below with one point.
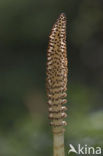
(57, 74)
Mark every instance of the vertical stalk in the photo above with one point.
(57, 82)
(58, 144)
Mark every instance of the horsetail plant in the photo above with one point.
(57, 82)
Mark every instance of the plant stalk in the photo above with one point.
(58, 144)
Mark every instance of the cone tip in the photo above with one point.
(62, 15)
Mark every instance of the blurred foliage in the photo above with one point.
(24, 29)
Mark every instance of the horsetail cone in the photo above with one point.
(57, 74)
(57, 82)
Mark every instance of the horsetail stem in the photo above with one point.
(57, 82)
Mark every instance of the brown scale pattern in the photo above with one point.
(57, 74)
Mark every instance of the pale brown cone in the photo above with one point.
(57, 73)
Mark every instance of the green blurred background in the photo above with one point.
(24, 29)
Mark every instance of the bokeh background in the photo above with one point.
(24, 29)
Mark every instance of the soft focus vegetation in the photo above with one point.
(24, 29)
